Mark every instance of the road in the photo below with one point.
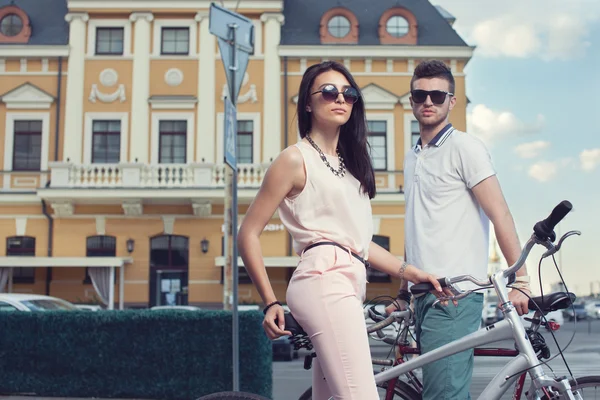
(583, 356)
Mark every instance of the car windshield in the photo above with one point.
(47, 305)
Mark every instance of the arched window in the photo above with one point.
(21, 246)
(398, 26)
(338, 25)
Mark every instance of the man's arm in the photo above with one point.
(490, 197)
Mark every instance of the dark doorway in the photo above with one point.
(169, 270)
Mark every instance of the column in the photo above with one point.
(205, 123)
(272, 129)
(140, 88)
(74, 96)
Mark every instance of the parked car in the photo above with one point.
(185, 308)
(593, 309)
(32, 302)
(580, 312)
(88, 307)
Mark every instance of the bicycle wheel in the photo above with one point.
(588, 387)
(232, 396)
(401, 392)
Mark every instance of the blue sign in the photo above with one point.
(230, 136)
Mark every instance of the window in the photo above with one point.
(109, 41)
(415, 133)
(106, 141)
(244, 142)
(338, 26)
(100, 246)
(372, 274)
(11, 25)
(172, 142)
(22, 246)
(5, 307)
(27, 145)
(378, 142)
(397, 26)
(175, 41)
(169, 251)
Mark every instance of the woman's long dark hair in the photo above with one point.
(353, 144)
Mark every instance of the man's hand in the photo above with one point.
(519, 300)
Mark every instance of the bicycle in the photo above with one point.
(530, 345)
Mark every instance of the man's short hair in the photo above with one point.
(433, 69)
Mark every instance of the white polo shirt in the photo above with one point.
(446, 231)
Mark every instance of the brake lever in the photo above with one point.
(553, 249)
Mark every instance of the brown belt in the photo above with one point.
(359, 258)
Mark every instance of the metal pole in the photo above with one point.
(234, 219)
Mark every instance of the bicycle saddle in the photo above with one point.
(292, 325)
(552, 302)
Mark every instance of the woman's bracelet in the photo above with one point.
(270, 305)
(402, 270)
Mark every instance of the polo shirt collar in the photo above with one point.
(439, 139)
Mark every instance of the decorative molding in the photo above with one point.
(23, 65)
(27, 96)
(278, 17)
(168, 224)
(74, 16)
(101, 225)
(133, 208)
(109, 77)
(453, 66)
(2, 65)
(202, 209)
(347, 63)
(368, 63)
(172, 102)
(411, 66)
(377, 98)
(389, 63)
(200, 15)
(136, 16)
(170, 5)
(45, 65)
(381, 51)
(173, 77)
(405, 101)
(63, 209)
(20, 225)
(250, 95)
(107, 98)
(302, 65)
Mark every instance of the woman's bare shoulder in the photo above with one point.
(291, 158)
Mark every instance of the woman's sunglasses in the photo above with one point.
(437, 96)
(330, 93)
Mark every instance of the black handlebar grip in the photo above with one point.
(425, 287)
(545, 229)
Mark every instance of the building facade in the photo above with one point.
(113, 172)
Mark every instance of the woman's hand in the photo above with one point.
(417, 275)
(274, 322)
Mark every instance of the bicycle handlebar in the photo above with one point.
(543, 234)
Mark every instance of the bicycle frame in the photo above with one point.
(511, 327)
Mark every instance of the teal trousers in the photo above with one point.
(448, 378)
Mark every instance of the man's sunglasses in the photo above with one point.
(330, 93)
(437, 96)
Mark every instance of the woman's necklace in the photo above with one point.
(341, 171)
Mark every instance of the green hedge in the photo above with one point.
(146, 354)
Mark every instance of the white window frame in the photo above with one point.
(109, 23)
(389, 137)
(88, 133)
(192, 24)
(155, 137)
(408, 118)
(9, 139)
(256, 134)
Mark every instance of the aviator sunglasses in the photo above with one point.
(437, 96)
(330, 93)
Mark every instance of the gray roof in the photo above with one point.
(302, 18)
(47, 19)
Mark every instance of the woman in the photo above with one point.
(322, 187)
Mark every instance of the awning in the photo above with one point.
(41, 262)
(269, 261)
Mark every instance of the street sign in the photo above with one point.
(230, 136)
(235, 34)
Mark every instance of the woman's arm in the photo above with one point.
(284, 177)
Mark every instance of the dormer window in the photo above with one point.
(14, 25)
(339, 25)
(11, 25)
(398, 26)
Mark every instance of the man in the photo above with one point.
(452, 194)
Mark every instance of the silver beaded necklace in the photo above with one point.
(341, 171)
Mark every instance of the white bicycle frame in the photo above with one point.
(510, 328)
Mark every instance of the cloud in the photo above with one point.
(547, 29)
(489, 124)
(543, 171)
(589, 159)
(531, 149)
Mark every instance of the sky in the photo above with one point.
(534, 87)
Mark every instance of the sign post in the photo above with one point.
(235, 34)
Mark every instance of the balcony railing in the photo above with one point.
(135, 175)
